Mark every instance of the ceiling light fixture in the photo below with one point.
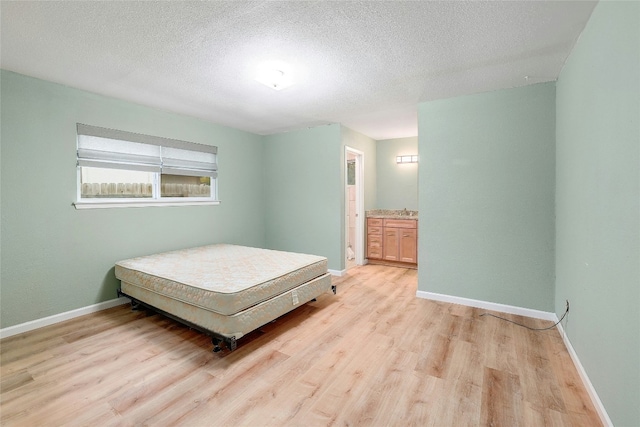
(274, 76)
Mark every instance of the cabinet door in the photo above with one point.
(374, 246)
(390, 244)
(408, 246)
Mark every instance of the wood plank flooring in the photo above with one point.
(372, 355)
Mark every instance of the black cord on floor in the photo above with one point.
(525, 326)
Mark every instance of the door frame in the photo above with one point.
(359, 246)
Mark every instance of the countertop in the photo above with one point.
(392, 214)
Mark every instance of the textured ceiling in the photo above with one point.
(365, 64)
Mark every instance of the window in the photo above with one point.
(120, 169)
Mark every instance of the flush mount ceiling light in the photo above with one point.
(275, 76)
(407, 159)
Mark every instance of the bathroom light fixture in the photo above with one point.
(407, 159)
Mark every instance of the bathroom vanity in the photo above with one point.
(392, 237)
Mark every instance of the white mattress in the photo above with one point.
(224, 279)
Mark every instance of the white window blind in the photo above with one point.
(176, 161)
(110, 148)
(100, 152)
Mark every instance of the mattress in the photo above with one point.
(223, 279)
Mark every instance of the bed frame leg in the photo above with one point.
(231, 343)
(216, 344)
(135, 305)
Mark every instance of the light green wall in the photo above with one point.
(397, 184)
(598, 205)
(487, 196)
(303, 185)
(56, 258)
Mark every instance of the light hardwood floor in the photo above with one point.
(372, 355)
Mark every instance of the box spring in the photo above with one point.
(240, 323)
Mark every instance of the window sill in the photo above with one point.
(108, 204)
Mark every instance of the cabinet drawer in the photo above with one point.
(375, 253)
(374, 230)
(401, 223)
(374, 241)
(374, 222)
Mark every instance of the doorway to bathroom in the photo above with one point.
(354, 207)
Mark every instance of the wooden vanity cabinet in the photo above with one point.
(392, 240)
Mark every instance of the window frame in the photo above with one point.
(156, 199)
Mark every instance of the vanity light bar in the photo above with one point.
(406, 159)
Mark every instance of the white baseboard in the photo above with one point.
(602, 412)
(511, 309)
(56, 318)
(338, 273)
